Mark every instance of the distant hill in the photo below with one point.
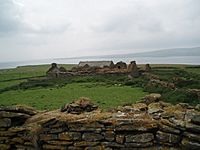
(169, 52)
(195, 51)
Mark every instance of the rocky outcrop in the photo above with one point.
(156, 125)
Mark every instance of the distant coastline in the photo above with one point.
(190, 60)
(189, 56)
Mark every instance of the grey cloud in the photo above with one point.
(9, 17)
(11, 22)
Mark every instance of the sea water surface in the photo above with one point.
(192, 60)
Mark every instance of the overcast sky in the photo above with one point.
(36, 29)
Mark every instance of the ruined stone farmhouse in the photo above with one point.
(100, 64)
(97, 67)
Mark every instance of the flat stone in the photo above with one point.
(76, 126)
(155, 108)
(47, 137)
(5, 122)
(23, 147)
(6, 134)
(17, 140)
(69, 136)
(92, 137)
(53, 147)
(120, 139)
(168, 129)
(109, 136)
(85, 144)
(94, 148)
(192, 128)
(4, 140)
(179, 124)
(139, 138)
(163, 137)
(196, 119)
(137, 125)
(151, 98)
(113, 145)
(56, 130)
(58, 142)
(192, 136)
(190, 145)
(4, 114)
(47, 122)
(139, 107)
(138, 145)
(5, 146)
(19, 109)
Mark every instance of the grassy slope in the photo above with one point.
(51, 98)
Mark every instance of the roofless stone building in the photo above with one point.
(100, 64)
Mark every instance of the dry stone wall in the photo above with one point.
(158, 125)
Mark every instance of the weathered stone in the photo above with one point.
(5, 122)
(17, 140)
(168, 129)
(6, 134)
(69, 136)
(120, 139)
(19, 109)
(139, 145)
(109, 136)
(4, 146)
(155, 108)
(58, 142)
(163, 138)
(17, 129)
(53, 147)
(191, 145)
(4, 140)
(92, 126)
(152, 98)
(94, 148)
(5, 114)
(113, 145)
(85, 144)
(139, 138)
(192, 128)
(57, 130)
(139, 107)
(197, 107)
(46, 137)
(23, 147)
(79, 106)
(48, 122)
(137, 125)
(196, 119)
(179, 124)
(92, 137)
(74, 148)
(192, 136)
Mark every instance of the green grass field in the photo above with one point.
(53, 98)
(105, 91)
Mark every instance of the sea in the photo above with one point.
(191, 60)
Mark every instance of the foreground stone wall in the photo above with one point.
(155, 126)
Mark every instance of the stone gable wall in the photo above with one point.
(155, 126)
